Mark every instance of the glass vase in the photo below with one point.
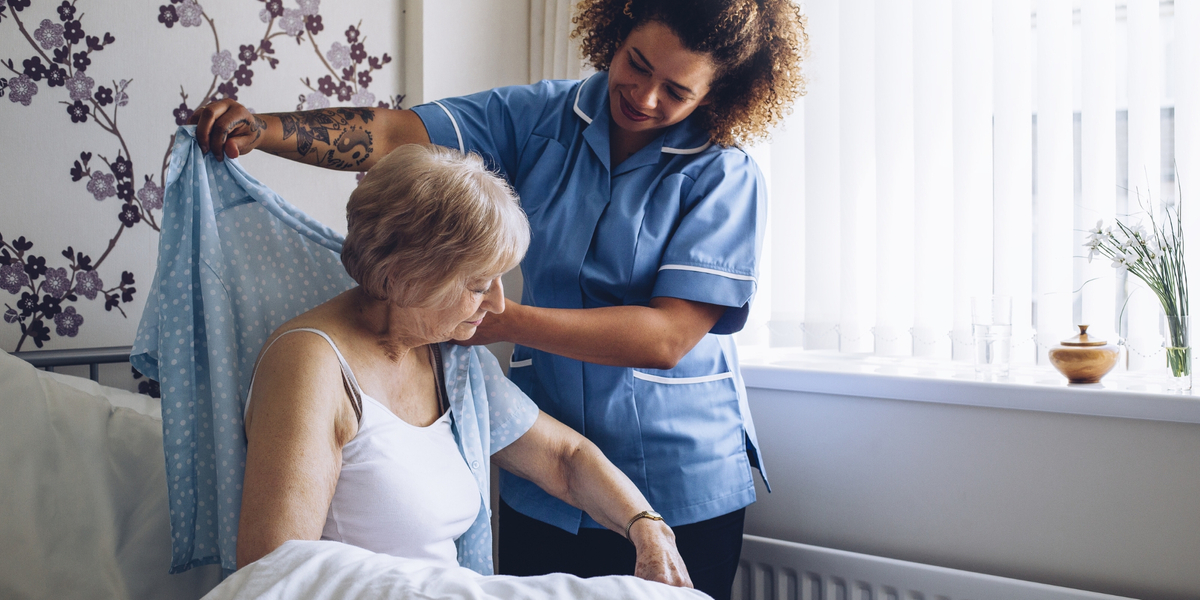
(1177, 341)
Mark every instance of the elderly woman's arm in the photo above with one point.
(573, 469)
(348, 139)
(295, 435)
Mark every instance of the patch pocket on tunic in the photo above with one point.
(520, 369)
(693, 436)
(677, 380)
(520, 359)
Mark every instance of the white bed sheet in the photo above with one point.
(335, 571)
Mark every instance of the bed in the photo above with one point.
(83, 512)
(84, 492)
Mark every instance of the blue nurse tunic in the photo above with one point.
(680, 218)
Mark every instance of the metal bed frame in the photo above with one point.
(92, 357)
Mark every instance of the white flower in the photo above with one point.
(364, 97)
(223, 64)
(309, 7)
(292, 21)
(1098, 230)
(316, 100)
(338, 55)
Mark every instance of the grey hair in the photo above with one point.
(427, 219)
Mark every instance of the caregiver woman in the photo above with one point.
(647, 224)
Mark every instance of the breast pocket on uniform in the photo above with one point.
(544, 172)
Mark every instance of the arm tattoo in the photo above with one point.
(256, 126)
(337, 136)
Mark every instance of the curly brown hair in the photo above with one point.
(756, 45)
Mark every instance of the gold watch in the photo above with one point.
(645, 514)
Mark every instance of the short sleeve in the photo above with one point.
(714, 253)
(495, 123)
(510, 412)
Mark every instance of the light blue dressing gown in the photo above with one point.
(235, 262)
(680, 218)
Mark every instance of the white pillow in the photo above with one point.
(83, 491)
(140, 403)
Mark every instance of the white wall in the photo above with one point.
(459, 47)
(1098, 503)
(464, 46)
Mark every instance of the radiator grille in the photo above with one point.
(778, 570)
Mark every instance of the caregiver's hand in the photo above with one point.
(496, 327)
(227, 128)
(657, 557)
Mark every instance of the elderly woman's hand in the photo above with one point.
(657, 557)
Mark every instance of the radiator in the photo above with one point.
(778, 570)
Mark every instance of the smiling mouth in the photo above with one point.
(476, 322)
(630, 113)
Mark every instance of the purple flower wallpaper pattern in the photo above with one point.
(60, 47)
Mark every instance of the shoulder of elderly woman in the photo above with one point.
(300, 374)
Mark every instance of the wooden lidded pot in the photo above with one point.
(1084, 358)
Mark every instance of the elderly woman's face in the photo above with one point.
(458, 319)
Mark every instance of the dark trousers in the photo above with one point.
(710, 550)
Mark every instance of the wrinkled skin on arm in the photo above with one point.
(572, 469)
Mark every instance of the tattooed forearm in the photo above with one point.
(289, 124)
(353, 145)
(364, 114)
(336, 138)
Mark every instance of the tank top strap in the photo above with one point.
(348, 380)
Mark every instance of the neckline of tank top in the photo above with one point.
(444, 415)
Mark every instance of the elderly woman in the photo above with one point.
(351, 434)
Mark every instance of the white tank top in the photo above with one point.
(403, 490)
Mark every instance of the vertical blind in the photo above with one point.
(552, 52)
(956, 148)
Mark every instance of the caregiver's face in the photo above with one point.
(459, 318)
(654, 82)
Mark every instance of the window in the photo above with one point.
(948, 149)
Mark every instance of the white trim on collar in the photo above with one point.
(696, 150)
(453, 122)
(579, 111)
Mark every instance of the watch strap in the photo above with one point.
(645, 514)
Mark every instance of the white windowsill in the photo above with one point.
(1124, 394)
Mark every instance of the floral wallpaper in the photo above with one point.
(90, 95)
